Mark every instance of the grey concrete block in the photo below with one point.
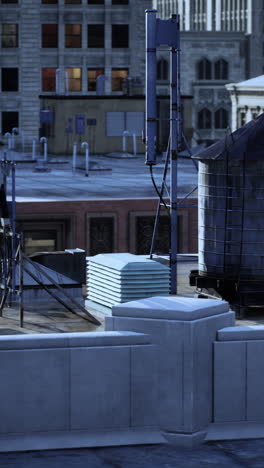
(229, 381)
(185, 440)
(255, 381)
(144, 386)
(171, 308)
(38, 341)
(185, 355)
(65, 340)
(110, 338)
(241, 333)
(34, 390)
(65, 439)
(100, 388)
(235, 431)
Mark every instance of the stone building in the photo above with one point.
(247, 99)
(221, 42)
(61, 46)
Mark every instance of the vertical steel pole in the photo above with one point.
(179, 109)
(21, 281)
(74, 157)
(151, 78)
(13, 230)
(173, 162)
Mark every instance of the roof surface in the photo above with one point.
(109, 178)
(255, 82)
(228, 454)
(246, 142)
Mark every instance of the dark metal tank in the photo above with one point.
(231, 217)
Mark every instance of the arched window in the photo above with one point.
(204, 70)
(204, 119)
(221, 70)
(221, 118)
(163, 69)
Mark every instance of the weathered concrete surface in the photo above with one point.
(231, 454)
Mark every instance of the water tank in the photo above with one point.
(231, 212)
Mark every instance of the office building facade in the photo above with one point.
(62, 46)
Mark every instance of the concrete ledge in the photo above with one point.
(185, 440)
(235, 431)
(72, 340)
(79, 439)
(254, 332)
(171, 308)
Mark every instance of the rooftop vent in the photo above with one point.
(116, 278)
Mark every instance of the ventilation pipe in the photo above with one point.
(86, 146)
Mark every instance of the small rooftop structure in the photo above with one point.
(247, 99)
(123, 277)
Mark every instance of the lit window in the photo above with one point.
(221, 70)
(204, 70)
(96, 35)
(120, 35)
(49, 35)
(221, 118)
(9, 79)
(162, 69)
(92, 75)
(9, 35)
(204, 119)
(48, 79)
(118, 77)
(73, 35)
(75, 79)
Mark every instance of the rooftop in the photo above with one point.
(109, 178)
(223, 454)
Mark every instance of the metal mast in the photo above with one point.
(165, 32)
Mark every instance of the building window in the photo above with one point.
(221, 118)
(9, 79)
(9, 120)
(221, 70)
(120, 33)
(120, 2)
(118, 77)
(8, 1)
(75, 79)
(92, 75)
(48, 79)
(101, 235)
(72, 2)
(95, 35)
(9, 35)
(73, 36)
(204, 119)
(49, 35)
(50, 2)
(96, 2)
(40, 241)
(204, 70)
(163, 69)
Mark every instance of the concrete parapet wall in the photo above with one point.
(238, 383)
(77, 390)
(184, 330)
